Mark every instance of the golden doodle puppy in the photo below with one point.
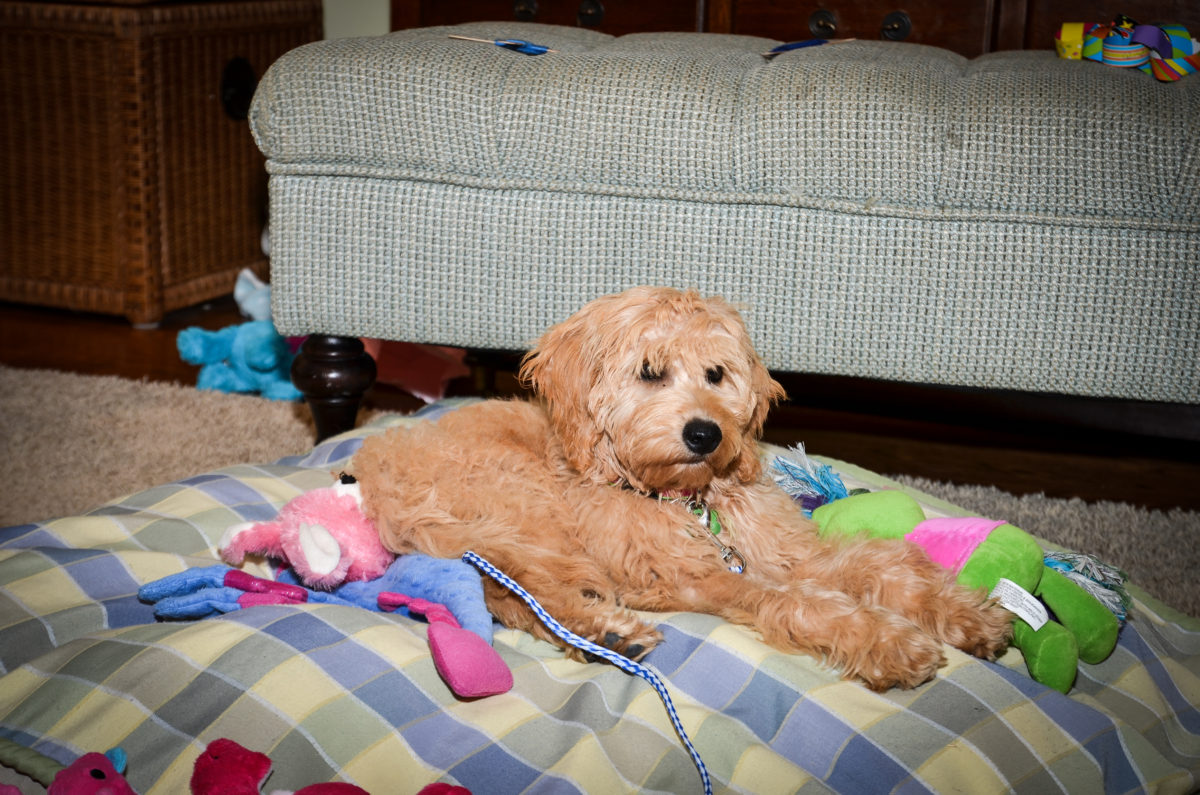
(599, 498)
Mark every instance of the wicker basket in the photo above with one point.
(129, 181)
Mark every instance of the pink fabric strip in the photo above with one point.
(952, 540)
(236, 578)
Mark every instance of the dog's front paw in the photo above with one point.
(986, 631)
(628, 636)
(899, 654)
(636, 647)
(977, 626)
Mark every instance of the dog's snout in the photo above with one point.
(701, 436)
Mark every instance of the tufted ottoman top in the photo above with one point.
(866, 126)
(877, 209)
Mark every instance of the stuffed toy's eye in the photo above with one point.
(715, 374)
(650, 374)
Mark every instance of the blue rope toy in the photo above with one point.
(619, 660)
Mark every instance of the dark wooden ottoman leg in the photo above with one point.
(333, 374)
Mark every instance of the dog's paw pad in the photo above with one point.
(610, 642)
(632, 647)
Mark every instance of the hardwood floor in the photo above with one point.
(1147, 454)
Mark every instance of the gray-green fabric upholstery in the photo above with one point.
(884, 210)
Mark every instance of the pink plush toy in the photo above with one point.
(226, 768)
(322, 534)
(467, 662)
(90, 774)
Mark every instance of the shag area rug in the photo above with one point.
(69, 443)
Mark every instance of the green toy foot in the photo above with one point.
(1094, 626)
(1050, 653)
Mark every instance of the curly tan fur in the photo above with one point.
(658, 391)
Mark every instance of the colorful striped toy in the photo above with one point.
(1166, 51)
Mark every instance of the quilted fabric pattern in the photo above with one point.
(882, 210)
(341, 693)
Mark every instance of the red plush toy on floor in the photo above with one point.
(91, 774)
(226, 768)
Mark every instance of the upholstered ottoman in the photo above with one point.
(884, 210)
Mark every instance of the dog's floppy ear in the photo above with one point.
(767, 391)
(562, 369)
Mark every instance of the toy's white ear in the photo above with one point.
(252, 295)
(322, 553)
(352, 489)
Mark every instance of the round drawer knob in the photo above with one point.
(896, 26)
(525, 10)
(590, 14)
(822, 24)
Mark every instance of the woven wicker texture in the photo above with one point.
(882, 210)
(125, 187)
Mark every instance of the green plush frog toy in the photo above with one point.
(1005, 560)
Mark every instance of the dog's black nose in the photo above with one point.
(701, 436)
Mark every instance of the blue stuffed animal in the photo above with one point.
(250, 357)
(211, 590)
(448, 593)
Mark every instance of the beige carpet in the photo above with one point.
(69, 443)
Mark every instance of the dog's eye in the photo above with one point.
(715, 374)
(650, 374)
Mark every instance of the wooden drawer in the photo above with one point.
(965, 27)
(616, 17)
(970, 28)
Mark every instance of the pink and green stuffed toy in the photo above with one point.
(985, 552)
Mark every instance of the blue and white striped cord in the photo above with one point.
(619, 660)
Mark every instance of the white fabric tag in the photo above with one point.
(1015, 598)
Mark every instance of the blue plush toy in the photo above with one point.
(448, 593)
(250, 357)
(210, 590)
